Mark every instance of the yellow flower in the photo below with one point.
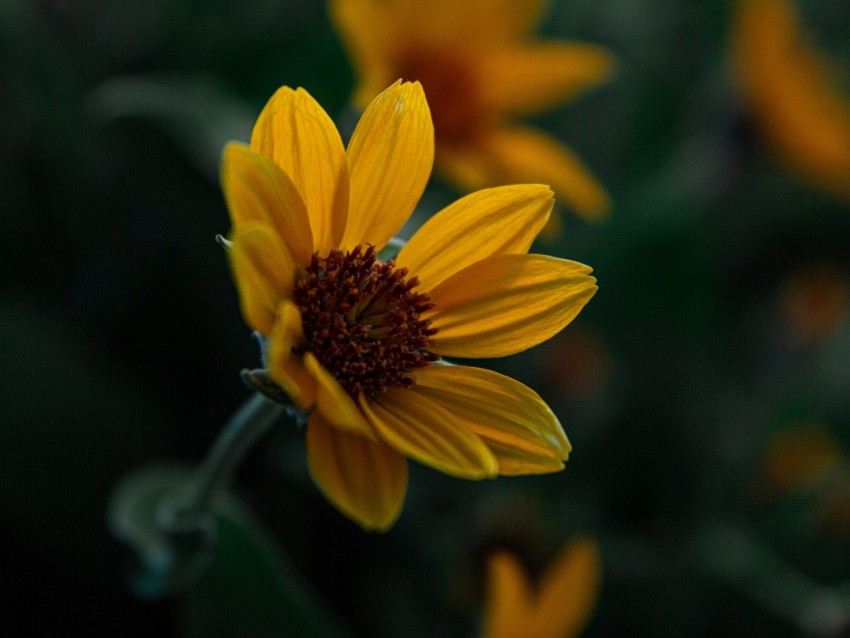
(480, 68)
(559, 607)
(357, 341)
(791, 94)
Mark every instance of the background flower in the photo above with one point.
(121, 334)
(481, 67)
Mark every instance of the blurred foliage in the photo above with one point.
(719, 322)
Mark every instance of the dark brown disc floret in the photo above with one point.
(362, 320)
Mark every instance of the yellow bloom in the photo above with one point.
(559, 607)
(356, 340)
(480, 68)
(791, 94)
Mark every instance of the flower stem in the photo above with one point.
(245, 428)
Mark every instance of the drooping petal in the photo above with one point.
(532, 77)
(295, 132)
(489, 222)
(257, 190)
(508, 606)
(334, 403)
(424, 431)
(506, 304)
(286, 367)
(568, 591)
(264, 272)
(364, 479)
(506, 414)
(517, 155)
(389, 162)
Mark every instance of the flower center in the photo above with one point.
(361, 321)
(451, 89)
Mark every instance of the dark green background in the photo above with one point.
(121, 338)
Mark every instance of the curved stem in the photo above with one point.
(246, 426)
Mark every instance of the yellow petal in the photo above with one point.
(517, 155)
(533, 77)
(792, 93)
(389, 162)
(364, 479)
(568, 592)
(264, 273)
(295, 132)
(508, 605)
(490, 222)
(509, 417)
(507, 303)
(257, 190)
(334, 403)
(286, 367)
(424, 431)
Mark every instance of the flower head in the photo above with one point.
(358, 341)
(480, 68)
(791, 93)
(560, 605)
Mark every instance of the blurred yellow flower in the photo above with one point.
(790, 90)
(357, 341)
(480, 67)
(799, 457)
(560, 605)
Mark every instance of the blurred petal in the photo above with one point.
(792, 93)
(286, 367)
(364, 479)
(517, 155)
(489, 222)
(507, 303)
(508, 606)
(508, 416)
(264, 273)
(568, 591)
(334, 403)
(367, 32)
(295, 132)
(389, 161)
(422, 430)
(534, 77)
(257, 190)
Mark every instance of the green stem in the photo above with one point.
(245, 428)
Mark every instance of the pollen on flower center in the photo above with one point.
(362, 321)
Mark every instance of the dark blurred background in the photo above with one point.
(704, 388)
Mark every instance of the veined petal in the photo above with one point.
(334, 403)
(364, 479)
(295, 132)
(509, 602)
(506, 304)
(518, 155)
(533, 77)
(509, 417)
(389, 162)
(568, 591)
(490, 222)
(423, 430)
(257, 190)
(264, 273)
(286, 367)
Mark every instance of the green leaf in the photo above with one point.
(249, 589)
